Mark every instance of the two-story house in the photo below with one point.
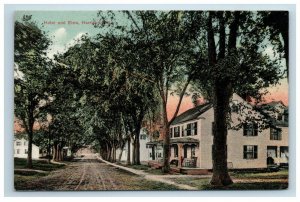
(21, 149)
(250, 144)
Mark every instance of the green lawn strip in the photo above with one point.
(137, 167)
(203, 184)
(200, 183)
(250, 186)
(37, 164)
(21, 182)
(152, 185)
(282, 174)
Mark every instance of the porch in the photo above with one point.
(182, 170)
(185, 152)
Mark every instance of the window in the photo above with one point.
(194, 128)
(250, 129)
(177, 131)
(25, 143)
(275, 134)
(235, 106)
(18, 143)
(250, 152)
(188, 129)
(272, 151)
(182, 131)
(18, 151)
(143, 137)
(284, 152)
(26, 152)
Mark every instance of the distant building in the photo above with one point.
(21, 149)
(248, 146)
(143, 150)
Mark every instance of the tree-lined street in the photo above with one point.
(103, 90)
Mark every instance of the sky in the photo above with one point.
(65, 27)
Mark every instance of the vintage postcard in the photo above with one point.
(151, 100)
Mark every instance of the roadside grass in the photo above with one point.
(282, 174)
(147, 185)
(250, 186)
(23, 177)
(138, 167)
(37, 164)
(21, 181)
(243, 181)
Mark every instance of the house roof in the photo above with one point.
(191, 113)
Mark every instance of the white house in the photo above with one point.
(21, 149)
(143, 150)
(248, 146)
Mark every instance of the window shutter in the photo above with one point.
(255, 152)
(245, 152)
(255, 126)
(245, 129)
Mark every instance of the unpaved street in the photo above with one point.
(88, 173)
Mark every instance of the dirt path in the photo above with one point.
(90, 174)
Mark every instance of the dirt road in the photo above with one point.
(88, 173)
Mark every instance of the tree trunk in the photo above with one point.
(54, 152)
(166, 150)
(133, 152)
(128, 151)
(29, 154)
(137, 145)
(223, 92)
(120, 155)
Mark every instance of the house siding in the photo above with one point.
(235, 142)
(24, 146)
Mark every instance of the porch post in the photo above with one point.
(180, 146)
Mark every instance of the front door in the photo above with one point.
(153, 153)
(184, 151)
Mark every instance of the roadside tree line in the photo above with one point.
(105, 88)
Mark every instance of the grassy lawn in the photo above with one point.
(37, 164)
(243, 181)
(145, 168)
(21, 178)
(138, 167)
(282, 174)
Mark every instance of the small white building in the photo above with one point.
(21, 149)
(143, 150)
(248, 146)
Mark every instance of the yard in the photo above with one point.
(243, 181)
(41, 168)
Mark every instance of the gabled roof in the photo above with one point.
(191, 114)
